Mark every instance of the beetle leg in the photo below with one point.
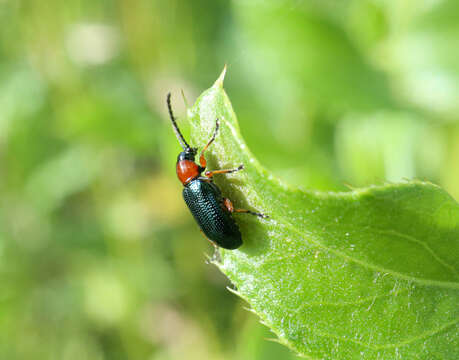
(209, 174)
(228, 205)
(216, 255)
(202, 159)
(206, 179)
(263, 216)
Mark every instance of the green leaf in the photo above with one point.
(368, 274)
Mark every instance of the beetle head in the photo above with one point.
(188, 154)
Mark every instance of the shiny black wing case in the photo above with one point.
(205, 202)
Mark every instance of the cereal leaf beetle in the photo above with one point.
(210, 209)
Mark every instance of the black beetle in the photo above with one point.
(210, 209)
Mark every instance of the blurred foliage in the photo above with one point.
(99, 258)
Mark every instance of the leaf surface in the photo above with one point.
(372, 273)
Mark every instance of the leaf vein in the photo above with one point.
(347, 303)
(443, 284)
(388, 346)
(422, 336)
(423, 244)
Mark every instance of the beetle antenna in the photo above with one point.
(179, 135)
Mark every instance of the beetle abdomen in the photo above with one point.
(205, 203)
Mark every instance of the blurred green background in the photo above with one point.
(99, 258)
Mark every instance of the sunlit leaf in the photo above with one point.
(372, 273)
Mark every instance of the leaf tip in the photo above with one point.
(221, 78)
